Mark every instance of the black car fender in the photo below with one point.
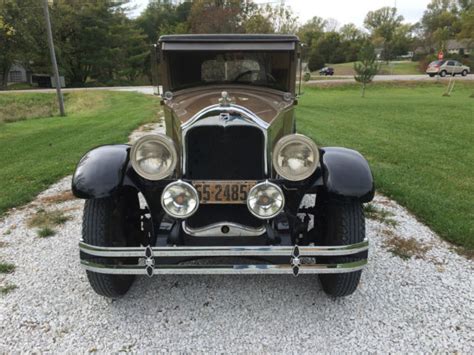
(346, 173)
(101, 171)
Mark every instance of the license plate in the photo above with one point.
(223, 192)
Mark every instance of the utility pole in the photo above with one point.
(53, 58)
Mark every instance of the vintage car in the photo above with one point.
(231, 188)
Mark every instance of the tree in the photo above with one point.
(382, 24)
(161, 17)
(8, 38)
(367, 67)
(467, 24)
(311, 30)
(218, 16)
(258, 23)
(315, 60)
(17, 18)
(441, 22)
(330, 46)
(331, 25)
(128, 51)
(269, 19)
(352, 39)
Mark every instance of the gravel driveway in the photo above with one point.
(415, 295)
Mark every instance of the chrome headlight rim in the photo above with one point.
(266, 183)
(194, 191)
(289, 139)
(162, 139)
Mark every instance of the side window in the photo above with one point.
(451, 62)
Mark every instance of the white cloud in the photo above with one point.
(344, 11)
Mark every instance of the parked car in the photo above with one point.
(326, 71)
(228, 178)
(447, 67)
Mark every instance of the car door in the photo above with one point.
(450, 66)
(457, 67)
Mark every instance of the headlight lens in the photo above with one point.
(295, 157)
(180, 199)
(154, 157)
(265, 200)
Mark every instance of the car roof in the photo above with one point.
(202, 42)
(229, 38)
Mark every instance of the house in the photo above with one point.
(19, 74)
(462, 47)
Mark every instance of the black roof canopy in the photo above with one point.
(203, 42)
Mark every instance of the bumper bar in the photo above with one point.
(294, 253)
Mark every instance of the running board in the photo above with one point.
(149, 254)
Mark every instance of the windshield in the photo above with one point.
(269, 69)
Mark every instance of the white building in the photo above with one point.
(18, 74)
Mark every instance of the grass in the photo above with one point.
(37, 152)
(418, 143)
(6, 268)
(48, 218)
(16, 107)
(7, 289)
(21, 86)
(46, 221)
(23, 106)
(379, 214)
(395, 68)
(46, 232)
(405, 248)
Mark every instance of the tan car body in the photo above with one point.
(448, 67)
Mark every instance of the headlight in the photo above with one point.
(154, 157)
(180, 199)
(265, 200)
(295, 157)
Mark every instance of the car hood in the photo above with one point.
(265, 103)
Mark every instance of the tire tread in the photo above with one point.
(349, 224)
(96, 231)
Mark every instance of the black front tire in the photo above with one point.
(344, 223)
(443, 73)
(105, 224)
(431, 75)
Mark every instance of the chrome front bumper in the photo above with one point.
(147, 257)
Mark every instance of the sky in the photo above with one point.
(344, 11)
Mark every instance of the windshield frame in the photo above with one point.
(166, 68)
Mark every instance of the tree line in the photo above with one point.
(99, 43)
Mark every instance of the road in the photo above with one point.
(322, 81)
(419, 77)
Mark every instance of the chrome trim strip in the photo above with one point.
(217, 107)
(225, 269)
(336, 250)
(249, 117)
(235, 230)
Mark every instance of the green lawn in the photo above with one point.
(418, 143)
(395, 68)
(37, 152)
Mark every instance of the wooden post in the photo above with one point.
(53, 58)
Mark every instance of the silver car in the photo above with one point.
(445, 67)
